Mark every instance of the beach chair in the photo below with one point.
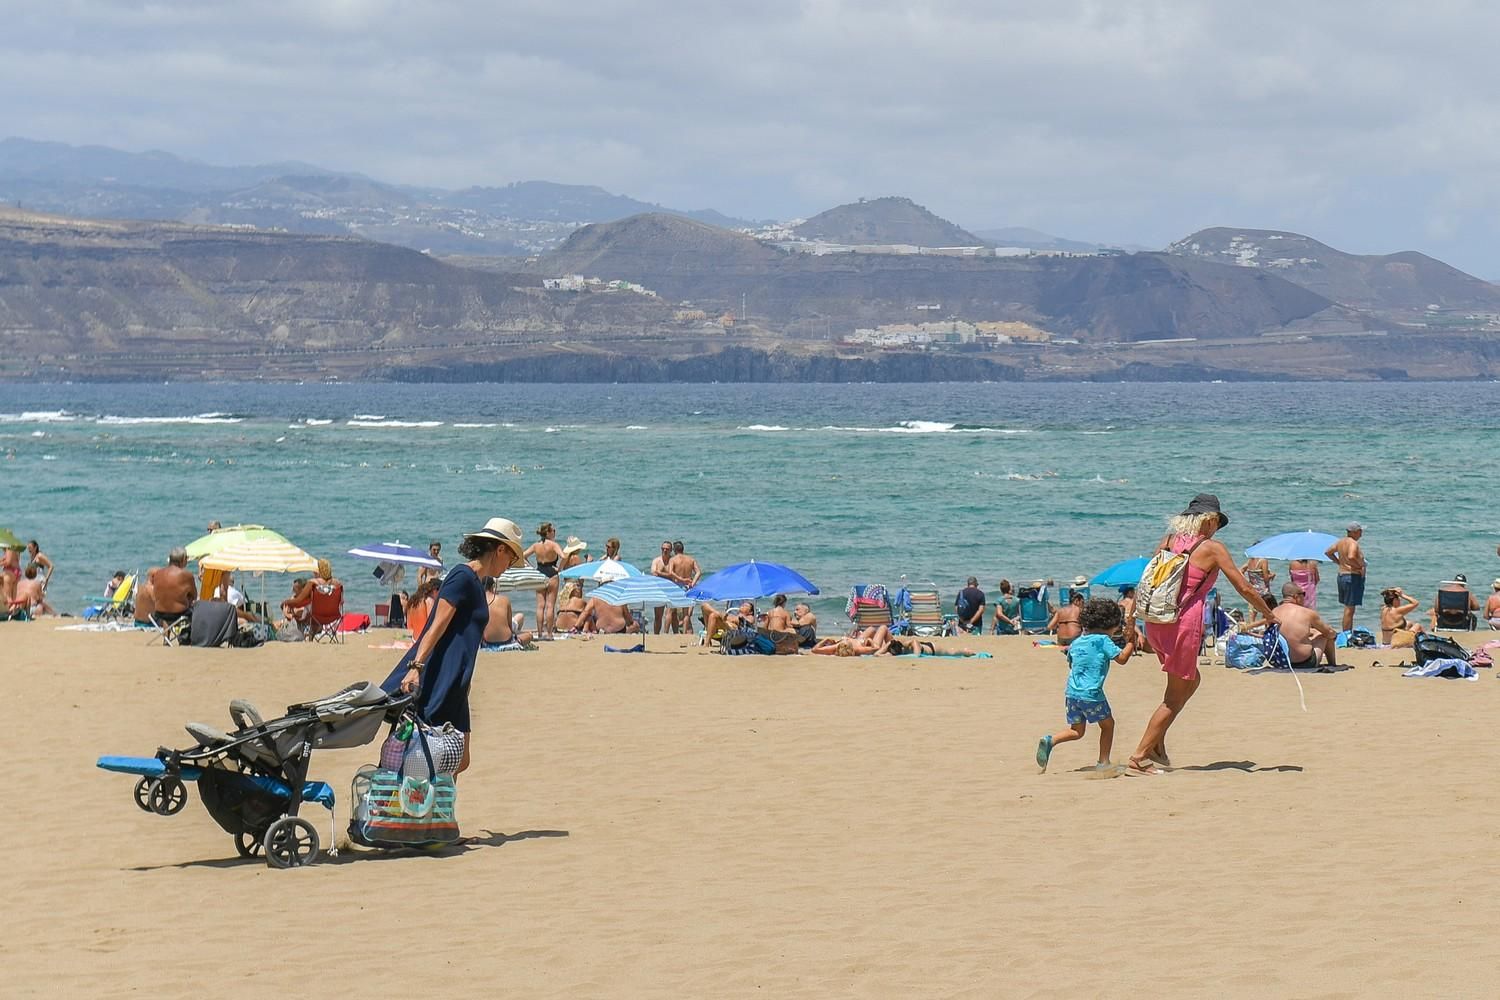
(117, 608)
(869, 606)
(1034, 611)
(1065, 594)
(1453, 611)
(170, 633)
(325, 612)
(927, 616)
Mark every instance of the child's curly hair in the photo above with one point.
(1100, 614)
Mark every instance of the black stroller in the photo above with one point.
(249, 779)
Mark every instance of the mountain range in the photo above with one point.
(226, 289)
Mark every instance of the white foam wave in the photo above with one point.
(636, 427)
(763, 427)
(111, 420)
(38, 417)
(393, 423)
(470, 427)
(368, 416)
(315, 422)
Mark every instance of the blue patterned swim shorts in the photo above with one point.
(1087, 711)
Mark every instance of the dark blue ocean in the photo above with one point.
(844, 482)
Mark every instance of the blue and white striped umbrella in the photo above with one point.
(395, 552)
(649, 591)
(602, 571)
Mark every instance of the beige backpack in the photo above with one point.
(1160, 589)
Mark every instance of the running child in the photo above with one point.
(1089, 657)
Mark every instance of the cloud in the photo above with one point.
(1133, 121)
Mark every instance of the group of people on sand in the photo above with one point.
(23, 590)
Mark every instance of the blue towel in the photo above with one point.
(639, 647)
(1454, 668)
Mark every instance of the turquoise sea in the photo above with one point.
(846, 483)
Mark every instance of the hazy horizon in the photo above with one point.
(1361, 126)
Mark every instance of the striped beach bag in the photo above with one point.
(402, 808)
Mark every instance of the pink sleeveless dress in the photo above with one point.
(1177, 644)
(1304, 579)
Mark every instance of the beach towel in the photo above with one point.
(639, 647)
(1452, 668)
(506, 647)
(943, 656)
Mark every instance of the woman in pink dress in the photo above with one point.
(1177, 644)
(1304, 573)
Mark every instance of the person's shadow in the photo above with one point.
(1247, 766)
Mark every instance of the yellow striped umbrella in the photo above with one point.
(261, 555)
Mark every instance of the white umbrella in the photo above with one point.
(602, 571)
(261, 555)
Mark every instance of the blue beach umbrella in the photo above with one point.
(1293, 545)
(750, 581)
(395, 552)
(1122, 574)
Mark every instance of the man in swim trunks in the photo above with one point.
(504, 626)
(1351, 559)
(662, 566)
(425, 573)
(685, 569)
(173, 588)
(1305, 633)
(805, 623)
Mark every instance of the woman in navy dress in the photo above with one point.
(440, 664)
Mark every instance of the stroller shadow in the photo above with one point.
(489, 838)
(1247, 766)
(350, 855)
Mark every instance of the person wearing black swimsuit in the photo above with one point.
(547, 554)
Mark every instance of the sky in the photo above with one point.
(1372, 126)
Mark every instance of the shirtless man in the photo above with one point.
(805, 624)
(1492, 606)
(715, 620)
(504, 626)
(31, 594)
(1351, 559)
(606, 619)
(688, 574)
(1064, 622)
(662, 566)
(173, 588)
(1305, 633)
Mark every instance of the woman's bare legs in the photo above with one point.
(1153, 740)
(548, 626)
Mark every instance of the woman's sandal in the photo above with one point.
(1141, 765)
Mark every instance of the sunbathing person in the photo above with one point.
(1064, 621)
(716, 621)
(570, 606)
(922, 647)
(504, 627)
(173, 588)
(1397, 605)
(1492, 607)
(777, 619)
(1305, 633)
(866, 642)
(31, 594)
(805, 624)
(607, 619)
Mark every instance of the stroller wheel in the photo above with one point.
(143, 794)
(291, 842)
(167, 795)
(247, 843)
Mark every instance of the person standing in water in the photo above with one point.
(1176, 644)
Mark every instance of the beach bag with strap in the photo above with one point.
(1160, 589)
(394, 808)
(1437, 647)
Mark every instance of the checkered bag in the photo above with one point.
(421, 743)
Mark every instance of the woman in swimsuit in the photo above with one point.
(571, 607)
(1176, 645)
(777, 619)
(1396, 605)
(1259, 574)
(1304, 573)
(547, 554)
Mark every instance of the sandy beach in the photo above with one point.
(683, 824)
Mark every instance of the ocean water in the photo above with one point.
(847, 483)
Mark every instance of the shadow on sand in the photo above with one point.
(350, 855)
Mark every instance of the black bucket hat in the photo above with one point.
(1206, 503)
